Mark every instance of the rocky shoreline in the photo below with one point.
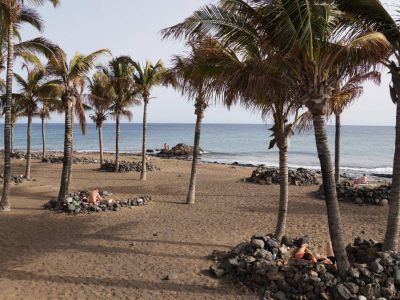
(77, 203)
(263, 265)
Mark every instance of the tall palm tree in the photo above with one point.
(372, 14)
(307, 36)
(147, 77)
(70, 79)
(99, 99)
(33, 88)
(14, 13)
(346, 92)
(260, 81)
(122, 94)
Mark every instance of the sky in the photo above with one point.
(132, 27)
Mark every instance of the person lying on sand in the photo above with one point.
(362, 180)
(305, 253)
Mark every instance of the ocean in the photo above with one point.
(366, 149)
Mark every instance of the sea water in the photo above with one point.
(364, 148)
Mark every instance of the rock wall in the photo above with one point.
(269, 176)
(126, 167)
(362, 195)
(77, 203)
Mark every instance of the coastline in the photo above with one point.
(351, 173)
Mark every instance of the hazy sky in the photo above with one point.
(132, 27)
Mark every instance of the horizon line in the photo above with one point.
(171, 123)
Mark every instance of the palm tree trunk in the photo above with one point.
(43, 140)
(101, 145)
(283, 191)
(143, 174)
(12, 139)
(332, 204)
(337, 147)
(191, 197)
(64, 187)
(5, 201)
(28, 148)
(117, 133)
(72, 149)
(391, 242)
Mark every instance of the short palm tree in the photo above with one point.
(147, 77)
(372, 14)
(122, 94)
(99, 99)
(69, 77)
(346, 92)
(14, 13)
(191, 79)
(32, 89)
(17, 112)
(309, 36)
(44, 113)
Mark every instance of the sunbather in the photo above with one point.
(362, 180)
(305, 253)
(94, 197)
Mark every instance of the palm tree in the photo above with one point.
(260, 82)
(346, 92)
(44, 113)
(121, 93)
(372, 14)
(146, 78)
(33, 88)
(191, 80)
(17, 112)
(99, 100)
(70, 79)
(310, 38)
(14, 13)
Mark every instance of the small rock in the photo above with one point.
(217, 271)
(258, 244)
(376, 267)
(343, 292)
(172, 276)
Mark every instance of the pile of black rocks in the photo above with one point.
(22, 155)
(17, 179)
(361, 194)
(268, 267)
(180, 150)
(269, 176)
(51, 158)
(127, 166)
(77, 203)
(55, 159)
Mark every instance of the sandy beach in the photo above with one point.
(127, 254)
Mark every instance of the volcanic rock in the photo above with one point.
(268, 176)
(127, 166)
